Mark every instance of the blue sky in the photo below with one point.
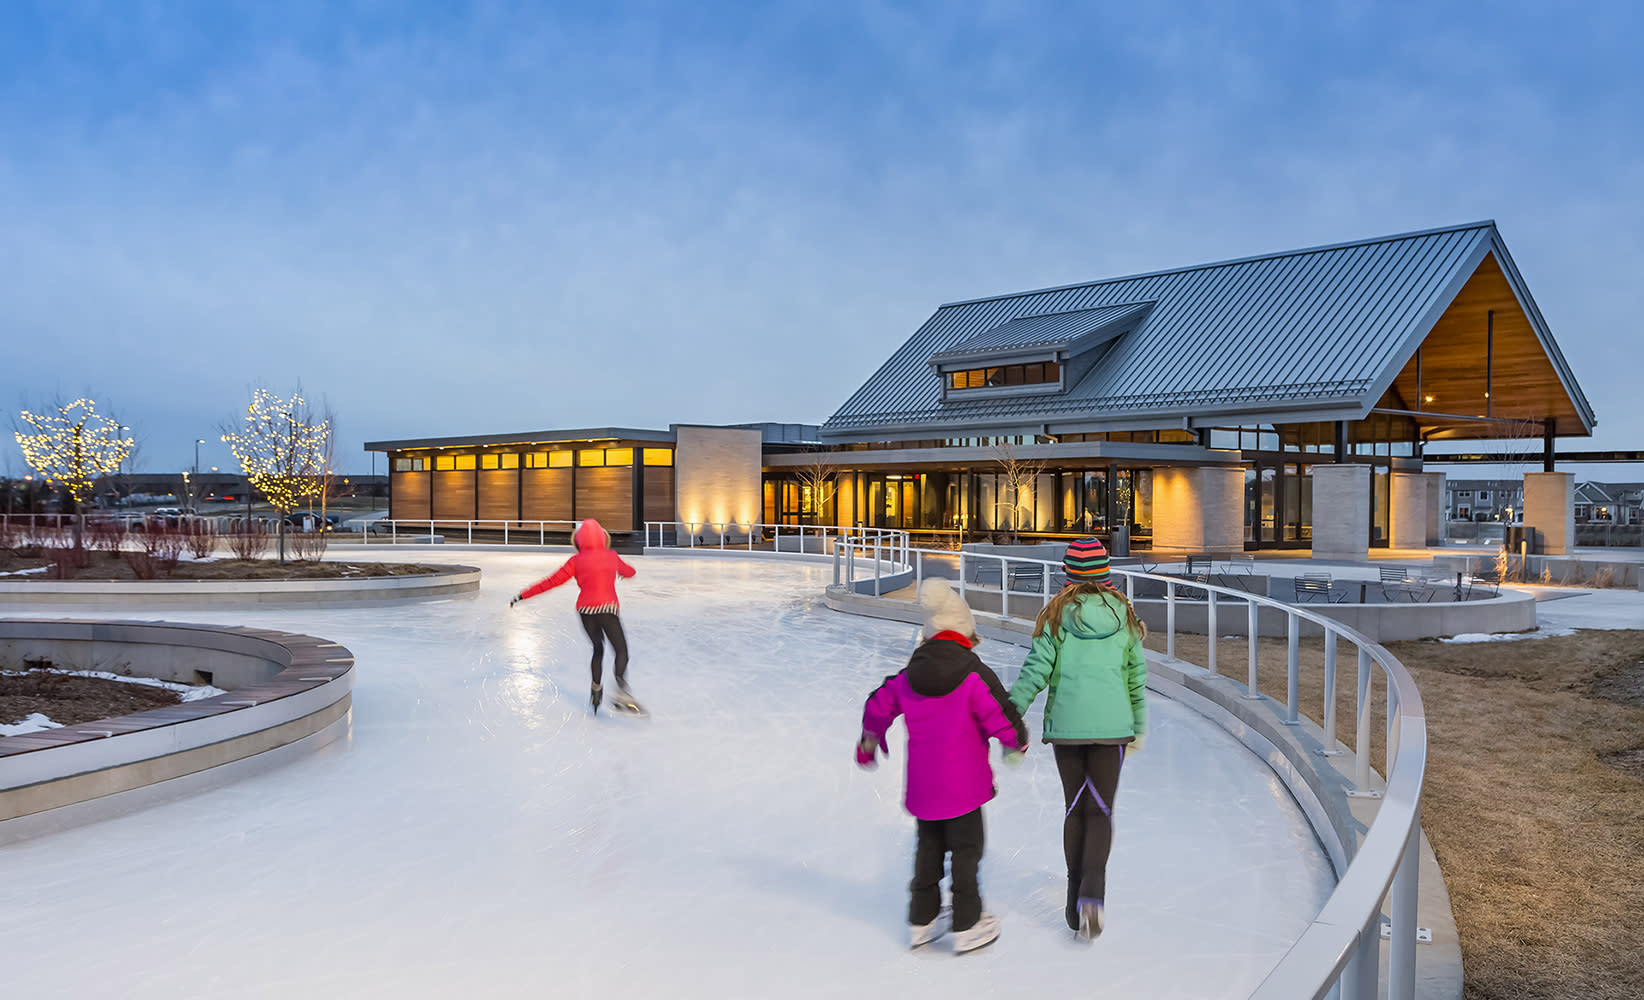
(453, 219)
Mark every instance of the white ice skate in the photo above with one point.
(1092, 919)
(919, 936)
(622, 701)
(984, 932)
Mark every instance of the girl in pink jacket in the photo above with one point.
(952, 703)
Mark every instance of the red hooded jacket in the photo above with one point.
(595, 566)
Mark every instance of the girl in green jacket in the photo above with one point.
(1087, 647)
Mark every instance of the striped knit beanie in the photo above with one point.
(1086, 562)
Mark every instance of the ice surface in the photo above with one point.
(479, 831)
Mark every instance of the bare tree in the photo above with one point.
(73, 446)
(1016, 495)
(282, 446)
(818, 482)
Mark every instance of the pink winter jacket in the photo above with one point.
(953, 703)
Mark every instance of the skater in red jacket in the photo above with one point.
(595, 567)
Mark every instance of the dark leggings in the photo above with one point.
(961, 837)
(600, 626)
(1090, 780)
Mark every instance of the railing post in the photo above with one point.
(1392, 748)
(1330, 691)
(505, 532)
(850, 566)
(393, 531)
(1210, 630)
(1252, 691)
(1292, 689)
(1004, 587)
(749, 529)
(962, 577)
(1046, 586)
(1130, 587)
(878, 572)
(1401, 952)
(1361, 768)
(836, 565)
(470, 532)
(722, 536)
(1170, 619)
(918, 573)
(1358, 980)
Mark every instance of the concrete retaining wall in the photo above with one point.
(450, 581)
(285, 689)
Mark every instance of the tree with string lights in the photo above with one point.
(71, 447)
(283, 447)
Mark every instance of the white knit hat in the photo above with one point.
(945, 611)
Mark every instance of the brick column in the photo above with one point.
(1341, 512)
(1549, 507)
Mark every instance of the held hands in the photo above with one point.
(865, 751)
(1013, 756)
(1135, 745)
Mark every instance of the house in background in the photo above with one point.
(1484, 500)
(1609, 503)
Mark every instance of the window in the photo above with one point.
(659, 456)
(510, 460)
(465, 463)
(488, 461)
(1034, 373)
(536, 460)
(619, 456)
(559, 460)
(402, 465)
(444, 463)
(591, 456)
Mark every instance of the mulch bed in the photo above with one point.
(105, 566)
(69, 700)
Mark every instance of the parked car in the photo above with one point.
(296, 518)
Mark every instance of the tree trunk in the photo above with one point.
(282, 537)
(79, 528)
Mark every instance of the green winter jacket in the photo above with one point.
(1095, 671)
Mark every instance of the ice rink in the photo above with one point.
(478, 833)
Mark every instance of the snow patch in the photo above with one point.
(30, 724)
(1466, 637)
(26, 572)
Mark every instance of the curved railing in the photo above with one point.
(1342, 944)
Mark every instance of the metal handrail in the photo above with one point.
(1333, 949)
(892, 542)
(519, 526)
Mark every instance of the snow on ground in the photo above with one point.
(187, 692)
(31, 723)
(477, 830)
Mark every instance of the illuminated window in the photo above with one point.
(444, 463)
(510, 460)
(659, 456)
(419, 464)
(488, 461)
(536, 460)
(559, 460)
(1035, 373)
(402, 465)
(619, 456)
(591, 456)
(465, 463)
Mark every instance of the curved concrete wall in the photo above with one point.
(285, 689)
(448, 582)
(1511, 611)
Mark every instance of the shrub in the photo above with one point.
(307, 546)
(168, 544)
(201, 538)
(250, 541)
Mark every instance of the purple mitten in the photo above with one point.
(865, 748)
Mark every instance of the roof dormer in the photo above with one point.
(1034, 355)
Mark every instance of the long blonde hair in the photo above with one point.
(1050, 617)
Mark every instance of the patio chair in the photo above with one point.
(1396, 581)
(1312, 587)
(987, 573)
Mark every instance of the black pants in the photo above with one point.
(1090, 780)
(961, 837)
(600, 626)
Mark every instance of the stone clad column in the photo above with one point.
(1409, 513)
(1198, 509)
(1437, 519)
(716, 477)
(1341, 512)
(1549, 507)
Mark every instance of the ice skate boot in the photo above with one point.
(594, 695)
(984, 932)
(920, 935)
(623, 701)
(1092, 919)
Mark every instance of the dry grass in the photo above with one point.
(1534, 800)
(104, 566)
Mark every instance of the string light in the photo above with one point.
(74, 446)
(281, 449)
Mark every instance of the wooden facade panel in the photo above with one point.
(1460, 349)
(499, 495)
(453, 496)
(545, 495)
(408, 495)
(659, 493)
(607, 494)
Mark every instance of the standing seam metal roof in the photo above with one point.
(1052, 331)
(1318, 324)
